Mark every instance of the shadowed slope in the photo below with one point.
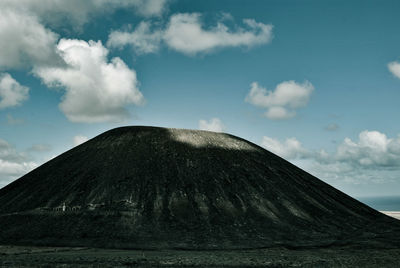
(148, 187)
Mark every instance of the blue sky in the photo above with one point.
(317, 82)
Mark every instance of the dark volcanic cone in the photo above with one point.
(147, 187)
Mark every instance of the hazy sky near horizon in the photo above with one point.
(316, 82)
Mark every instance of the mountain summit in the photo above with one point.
(150, 187)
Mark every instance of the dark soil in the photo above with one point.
(11, 256)
(157, 188)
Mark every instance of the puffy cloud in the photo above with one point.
(282, 102)
(10, 171)
(214, 124)
(373, 157)
(45, 10)
(185, 33)
(394, 68)
(8, 152)
(79, 139)
(141, 39)
(11, 92)
(279, 113)
(13, 164)
(96, 90)
(25, 37)
(78, 12)
(340, 172)
(290, 149)
(373, 149)
(24, 41)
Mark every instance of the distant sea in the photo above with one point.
(387, 203)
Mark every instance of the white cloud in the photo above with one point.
(290, 149)
(79, 139)
(52, 11)
(25, 36)
(214, 124)
(8, 152)
(342, 173)
(373, 157)
(96, 90)
(279, 113)
(11, 92)
(282, 102)
(24, 41)
(141, 39)
(78, 11)
(185, 33)
(394, 68)
(10, 171)
(373, 149)
(13, 164)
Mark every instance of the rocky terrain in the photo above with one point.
(13, 256)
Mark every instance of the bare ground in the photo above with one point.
(19, 256)
(394, 214)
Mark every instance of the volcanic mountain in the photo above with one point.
(149, 187)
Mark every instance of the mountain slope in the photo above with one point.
(147, 187)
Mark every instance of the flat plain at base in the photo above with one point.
(394, 214)
(19, 256)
